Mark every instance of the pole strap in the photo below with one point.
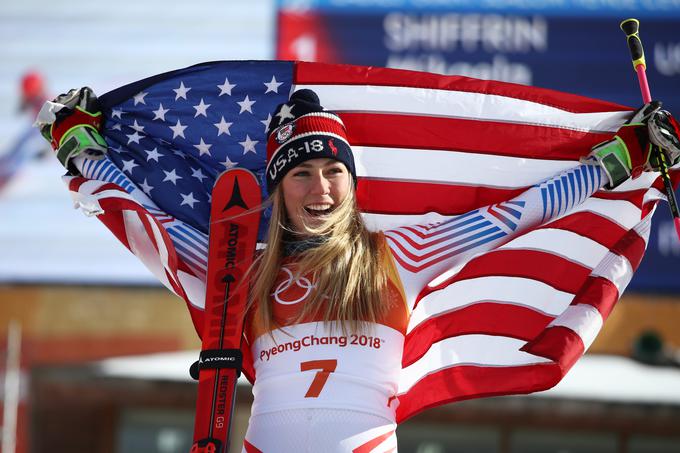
(217, 359)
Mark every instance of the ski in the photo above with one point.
(234, 223)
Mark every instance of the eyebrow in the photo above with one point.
(327, 164)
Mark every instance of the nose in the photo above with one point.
(320, 185)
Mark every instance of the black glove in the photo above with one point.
(664, 133)
(630, 152)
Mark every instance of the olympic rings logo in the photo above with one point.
(301, 282)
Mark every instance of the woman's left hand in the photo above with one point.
(632, 150)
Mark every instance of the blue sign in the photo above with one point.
(588, 56)
(658, 271)
(577, 8)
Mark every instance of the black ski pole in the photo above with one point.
(631, 28)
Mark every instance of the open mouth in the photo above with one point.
(318, 210)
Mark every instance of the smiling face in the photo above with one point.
(312, 190)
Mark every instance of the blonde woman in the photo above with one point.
(330, 303)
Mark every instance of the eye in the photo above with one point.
(300, 173)
(335, 170)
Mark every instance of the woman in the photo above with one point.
(330, 303)
(327, 319)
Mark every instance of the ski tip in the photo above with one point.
(236, 198)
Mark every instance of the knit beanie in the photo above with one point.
(301, 130)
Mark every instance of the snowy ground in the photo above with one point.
(43, 239)
(593, 378)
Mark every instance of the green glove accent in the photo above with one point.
(628, 152)
(81, 139)
(614, 159)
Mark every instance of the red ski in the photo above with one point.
(234, 223)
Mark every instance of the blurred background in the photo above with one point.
(94, 353)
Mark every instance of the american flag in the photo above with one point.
(511, 320)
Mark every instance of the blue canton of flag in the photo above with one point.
(172, 135)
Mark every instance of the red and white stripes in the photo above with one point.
(513, 319)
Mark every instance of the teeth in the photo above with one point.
(318, 207)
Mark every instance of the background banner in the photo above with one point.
(568, 45)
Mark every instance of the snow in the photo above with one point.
(602, 378)
(45, 240)
(170, 366)
(618, 379)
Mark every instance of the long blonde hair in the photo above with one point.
(345, 267)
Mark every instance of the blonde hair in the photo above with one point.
(345, 268)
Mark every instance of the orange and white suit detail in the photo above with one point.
(317, 388)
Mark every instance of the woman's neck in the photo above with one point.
(294, 244)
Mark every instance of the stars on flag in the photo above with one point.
(139, 98)
(137, 127)
(171, 176)
(152, 154)
(221, 120)
(181, 92)
(226, 87)
(118, 149)
(159, 114)
(249, 145)
(223, 127)
(266, 122)
(203, 148)
(188, 199)
(128, 165)
(285, 112)
(146, 188)
(228, 164)
(201, 109)
(134, 138)
(178, 130)
(198, 174)
(273, 86)
(246, 105)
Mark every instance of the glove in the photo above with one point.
(71, 123)
(664, 133)
(636, 147)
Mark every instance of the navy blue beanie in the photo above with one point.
(301, 130)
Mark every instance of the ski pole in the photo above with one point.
(631, 28)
